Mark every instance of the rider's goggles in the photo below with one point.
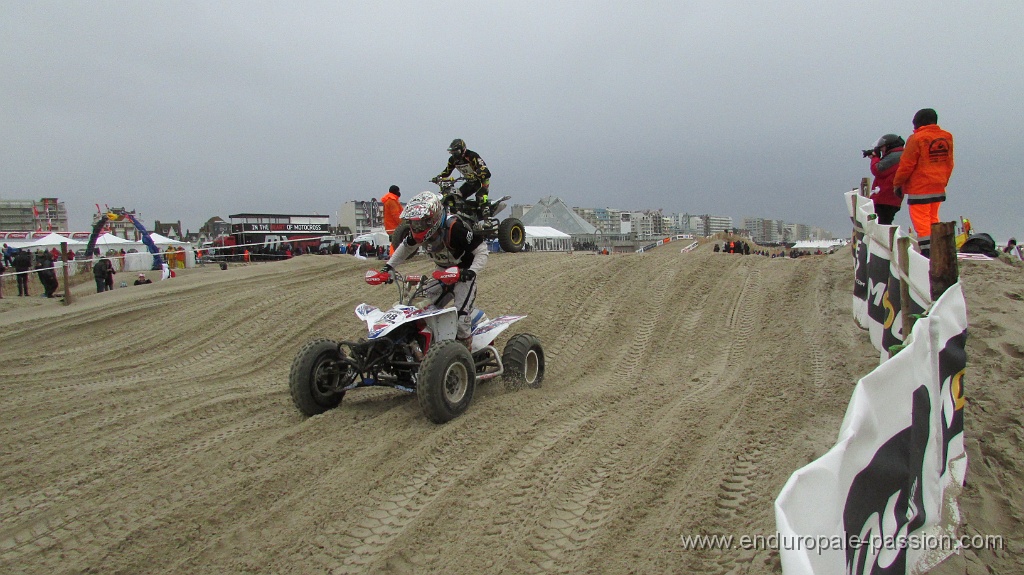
(420, 225)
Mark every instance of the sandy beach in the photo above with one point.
(150, 429)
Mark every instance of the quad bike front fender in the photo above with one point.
(379, 323)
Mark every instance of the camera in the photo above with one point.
(869, 153)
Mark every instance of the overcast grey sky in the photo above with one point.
(187, 110)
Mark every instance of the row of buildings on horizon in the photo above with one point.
(600, 225)
(643, 225)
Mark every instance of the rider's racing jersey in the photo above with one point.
(453, 246)
(470, 165)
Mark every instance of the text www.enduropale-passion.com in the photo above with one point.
(822, 543)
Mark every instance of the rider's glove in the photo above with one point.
(467, 275)
(386, 269)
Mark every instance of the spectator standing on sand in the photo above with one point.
(47, 277)
(392, 214)
(22, 264)
(924, 171)
(109, 278)
(9, 255)
(885, 160)
(99, 273)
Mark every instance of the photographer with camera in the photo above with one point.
(885, 159)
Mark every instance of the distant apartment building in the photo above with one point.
(798, 232)
(648, 224)
(361, 216)
(715, 224)
(763, 230)
(608, 221)
(681, 224)
(518, 210)
(820, 234)
(46, 214)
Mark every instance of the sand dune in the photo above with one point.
(150, 430)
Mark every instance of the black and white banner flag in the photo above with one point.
(885, 494)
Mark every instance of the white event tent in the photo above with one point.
(162, 240)
(547, 239)
(52, 240)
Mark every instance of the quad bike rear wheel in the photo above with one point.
(316, 375)
(523, 360)
(446, 382)
(511, 235)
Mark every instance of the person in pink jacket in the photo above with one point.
(885, 160)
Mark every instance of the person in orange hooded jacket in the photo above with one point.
(392, 212)
(924, 171)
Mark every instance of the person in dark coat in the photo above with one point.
(99, 272)
(47, 277)
(22, 264)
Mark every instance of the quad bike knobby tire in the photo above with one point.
(446, 382)
(399, 234)
(523, 359)
(511, 235)
(315, 370)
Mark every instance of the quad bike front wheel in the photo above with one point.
(523, 360)
(511, 235)
(316, 375)
(446, 382)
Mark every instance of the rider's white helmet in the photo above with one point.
(424, 213)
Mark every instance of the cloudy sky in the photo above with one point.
(188, 110)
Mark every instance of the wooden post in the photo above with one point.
(904, 262)
(67, 284)
(942, 271)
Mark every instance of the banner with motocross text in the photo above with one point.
(876, 289)
(884, 498)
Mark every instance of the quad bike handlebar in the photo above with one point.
(447, 276)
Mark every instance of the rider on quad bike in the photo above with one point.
(449, 241)
(472, 168)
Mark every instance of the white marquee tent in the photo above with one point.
(109, 240)
(52, 240)
(162, 240)
(546, 239)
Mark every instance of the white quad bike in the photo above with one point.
(412, 348)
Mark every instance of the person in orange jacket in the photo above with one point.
(924, 171)
(392, 212)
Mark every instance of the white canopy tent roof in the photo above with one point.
(52, 240)
(162, 240)
(108, 239)
(544, 232)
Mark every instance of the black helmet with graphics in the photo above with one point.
(457, 147)
(424, 212)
